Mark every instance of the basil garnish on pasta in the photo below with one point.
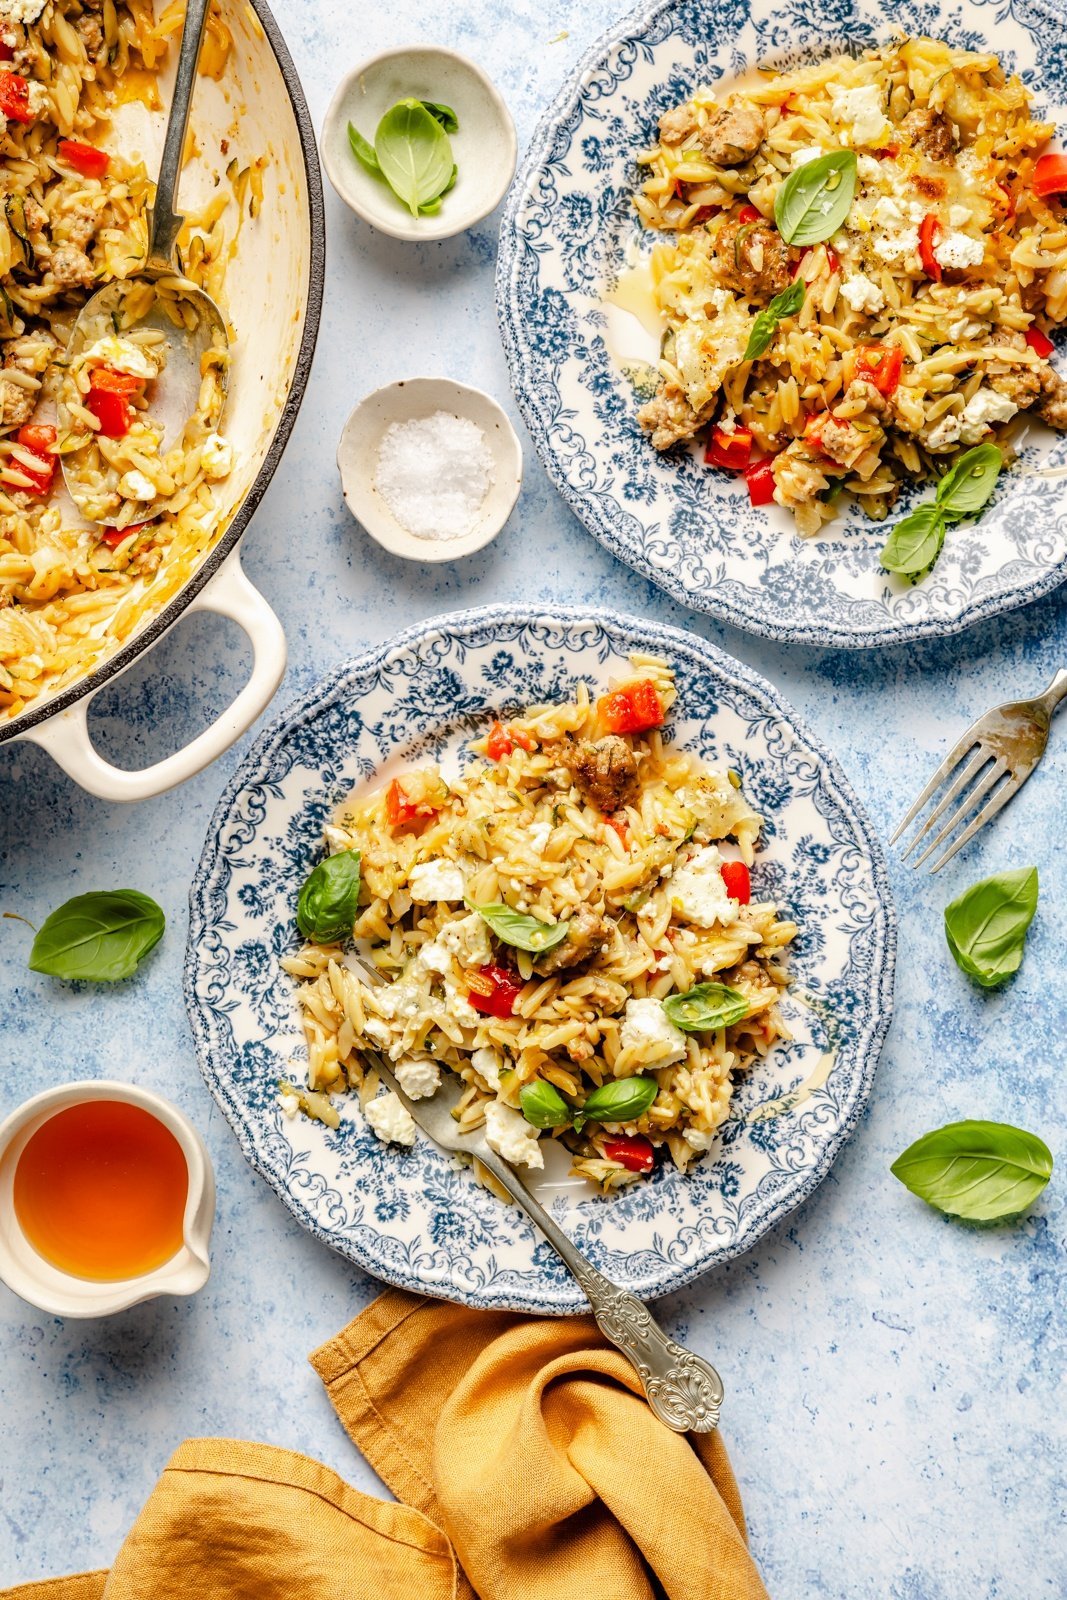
(543, 1105)
(706, 1006)
(916, 541)
(623, 1100)
(329, 898)
(522, 932)
(814, 200)
(785, 304)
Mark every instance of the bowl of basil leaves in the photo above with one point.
(418, 143)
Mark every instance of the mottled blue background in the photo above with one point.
(895, 1399)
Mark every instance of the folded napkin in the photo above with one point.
(524, 1457)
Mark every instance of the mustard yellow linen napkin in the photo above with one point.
(521, 1446)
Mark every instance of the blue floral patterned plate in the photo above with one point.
(412, 1217)
(569, 230)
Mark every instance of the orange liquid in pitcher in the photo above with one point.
(100, 1191)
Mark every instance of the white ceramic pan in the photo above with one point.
(274, 294)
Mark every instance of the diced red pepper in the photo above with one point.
(115, 382)
(888, 152)
(498, 745)
(15, 98)
(749, 214)
(400, 809)
(879, 364)
(6, 52)
(929, 233)
(1039, 343)
(632, 1151)
(760, 480)
(702, 213)
(113, 537)
(84, 158)
(37, 439)
(110, 410)
(738, 881)
(731, 451)
(631, 710)
(619, 827)
(1050, 174)
(497, 993)
(525, 741)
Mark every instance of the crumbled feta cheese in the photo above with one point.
(290, 1104)
(887, 212)
(863, 110)
(719, 298)
(862, 293)
(418, 1076)
(402, 999)
(539, 836)
(698, 1138)
(435, 957)
(390, 1119)
(24, 11)
(36, 98)
(459, 1007)
(944, 432)
(436, 880)
(216, 456)
(959, 216)
(868, 169)
(959, 250)
(488, 1063)
(123, 355)
(698, 893)
(983, 409)
(897, 247)
(800, 158)
(378, 1032)
(468, 940)
(647, 1027)
(133, 485)
(511, 1136)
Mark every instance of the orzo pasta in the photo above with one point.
(569, 926)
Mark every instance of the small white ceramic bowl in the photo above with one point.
(61, 1293)
(357, 459)
(484, 145)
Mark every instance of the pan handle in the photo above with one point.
(66, 735)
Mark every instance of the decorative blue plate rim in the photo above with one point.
(259, 776)
(594, 508)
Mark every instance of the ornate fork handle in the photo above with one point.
(683, 1389)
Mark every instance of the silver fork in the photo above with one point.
(1004, 747)
(683, 1389)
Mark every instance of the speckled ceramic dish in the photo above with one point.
(483, 146)
(570, 229)
(357, 461)
(411, 1217)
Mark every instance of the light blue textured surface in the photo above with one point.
(894, 1407)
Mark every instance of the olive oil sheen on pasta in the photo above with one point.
(100, 1191)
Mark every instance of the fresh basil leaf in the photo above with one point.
(814, 200)
(622, 1100)
(708, 1005)
(986, 927)
(969, 482)
(980, 1170)
(444, 115)
(363, 151)
(414, 153)
(915, 543)
(543, 1105)
(517, 929)
(329, 898)
(785, 304)
(100, 937)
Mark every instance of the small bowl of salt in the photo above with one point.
(431, 468)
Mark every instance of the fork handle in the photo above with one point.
(1055, 692)
(683, 1389)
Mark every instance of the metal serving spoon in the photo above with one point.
(683, 1389)
(206, 327)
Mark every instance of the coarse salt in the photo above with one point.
(434, 474)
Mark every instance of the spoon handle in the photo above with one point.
(683, 1389)
(166, 221)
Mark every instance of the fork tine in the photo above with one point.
(955, 755)
(965, 807)
(987, 813)
(971, 770)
